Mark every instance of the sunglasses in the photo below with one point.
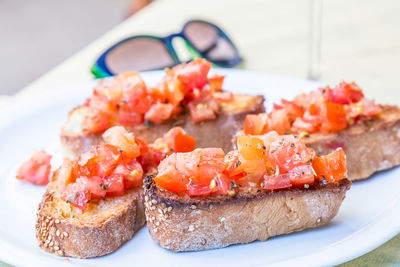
(148, 52)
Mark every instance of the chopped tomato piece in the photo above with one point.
(134, 91)
(37, 169)
(301, 175)
(114, 185)
(216, 82)
(331, 167)
(292, 109)
(287, 152)
(183, 142)
(278, 120)
(334, 118)
(201, 112)
(211, 163)
(344, 93)
(193, 74)
(83, 190)
(118, 136)
(132, 173)
(273, 182)
(223, 184)
(159, 112)
(97, 121)
(128, 117)
(169, 177)
(197, 190)
(99, 161)
(254, 124)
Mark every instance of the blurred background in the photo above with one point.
(360, 38)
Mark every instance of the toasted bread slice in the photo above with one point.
(67, 231)
(76, 141)
(370, 145)
(183, 223)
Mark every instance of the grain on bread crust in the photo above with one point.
(370, 145)
(192, 223)
(75, 140)
(100, 231)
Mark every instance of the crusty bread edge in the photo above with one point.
(191, 224)
(62, 237)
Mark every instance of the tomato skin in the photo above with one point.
(134, 91)
(254, 124)
(331, 167)
(292, 109)
(36, 170)
(159, 112)
(301, 175)
(211, 163)
(273, 182)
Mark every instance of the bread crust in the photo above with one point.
(229, 120)
(93, 237)
(370, 145)
(194, 223)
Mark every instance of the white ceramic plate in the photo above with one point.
(369, 216)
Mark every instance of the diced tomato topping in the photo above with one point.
(331, 167)
(254, 124)
(80, 192)
(288, 152)
(159, 112)
(344, 93)
(198, 190)
(223, 183)
(193, 74)
(201, 112)
(326, 110)
(106, 170)
(127, 144)
(335, 118)
(274, 182)
(270, 162)
(97, 121)
(183, 142)
(128, 117)
(216, 82)
(37, 169)
(301, 175)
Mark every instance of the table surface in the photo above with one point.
(361, 42)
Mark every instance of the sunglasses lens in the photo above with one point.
(139, 54)
(201, 35)
(206, 38)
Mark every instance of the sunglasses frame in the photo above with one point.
(100, 69)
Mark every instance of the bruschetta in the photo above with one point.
(271, 185)
(94, 204)
(185, 97)
(338, 117)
